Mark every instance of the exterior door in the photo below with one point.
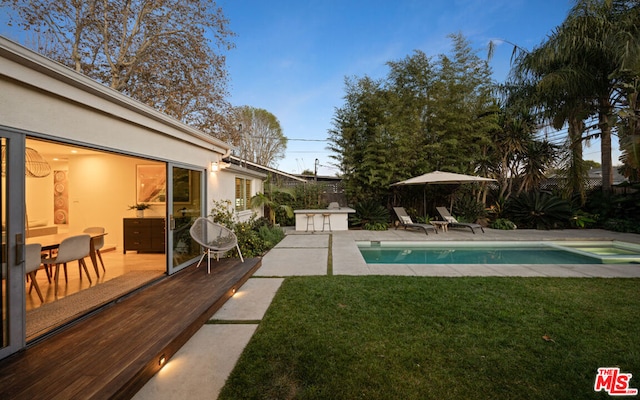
(186, 199)
(12, 207)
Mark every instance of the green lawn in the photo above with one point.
(440, 338)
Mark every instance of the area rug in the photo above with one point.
(51, 315)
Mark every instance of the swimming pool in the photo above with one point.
(583, 252)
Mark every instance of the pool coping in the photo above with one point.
(347, 259)
(569, 246)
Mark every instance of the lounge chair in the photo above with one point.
(215, 238)
(406, 222)
(444, 213)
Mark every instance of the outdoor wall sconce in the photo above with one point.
(218, 165)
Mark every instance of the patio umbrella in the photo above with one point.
(441, 178)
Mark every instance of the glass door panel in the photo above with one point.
(185, 205)
(12, 208)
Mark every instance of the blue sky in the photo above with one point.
(292, 56)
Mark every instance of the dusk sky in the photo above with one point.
(291, 57)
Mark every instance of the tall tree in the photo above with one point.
(586, 54)
(558, 99)
(168, 54)
(629, 87)
(361, 139)
(424, 115)
(259, 136)
(409, 90)
(461, 117)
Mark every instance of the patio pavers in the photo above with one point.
(294, 262)
(251, 301)
(306, 241)
(200, 368)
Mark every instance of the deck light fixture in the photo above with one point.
(162, 360)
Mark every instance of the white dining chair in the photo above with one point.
(71, 249)
(98, 243)
(32, 262)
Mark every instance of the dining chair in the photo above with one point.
(71, 249)
(32, 263)
(98, 243)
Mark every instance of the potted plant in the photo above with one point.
(139, 207)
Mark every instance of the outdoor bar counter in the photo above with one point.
(336, 218)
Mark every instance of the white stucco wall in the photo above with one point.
(225, 182)
(47, 100)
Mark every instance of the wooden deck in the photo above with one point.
(113, 353)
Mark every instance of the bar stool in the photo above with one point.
(310, 222)
(326, 220)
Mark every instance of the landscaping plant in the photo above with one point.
(255, 236)
(502, 223)
(539, 210)
(616, 212)
(277, 201)
(467, 209)
(370, 215)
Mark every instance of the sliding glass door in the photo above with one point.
(12, 251)
(186, 199)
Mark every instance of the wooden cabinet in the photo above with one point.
(145, 235)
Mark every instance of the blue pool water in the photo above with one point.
(498, 253)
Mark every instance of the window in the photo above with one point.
(243, 194)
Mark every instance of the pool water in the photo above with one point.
(498, 253)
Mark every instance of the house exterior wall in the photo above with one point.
(226, 180)
(50, 101)
(40, 103)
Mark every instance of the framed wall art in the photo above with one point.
(151, 183)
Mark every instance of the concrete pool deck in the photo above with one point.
(201, 366)
(348, 261)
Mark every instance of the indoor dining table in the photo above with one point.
(50, 242)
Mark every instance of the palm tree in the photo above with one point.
(273, 199)
(517, 127)
(537, 158)
(580, 61)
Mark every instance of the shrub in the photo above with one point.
(497, 209)
(502, 223)
(376, 226)
(248, 239)
(467, 209)
(370, 214)
(270, 235)
(610, 205)
(423, 220)
(256, 236)
(309, 196)
(621, 225)
(222, 213)
(539, 210)
(582, 219)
